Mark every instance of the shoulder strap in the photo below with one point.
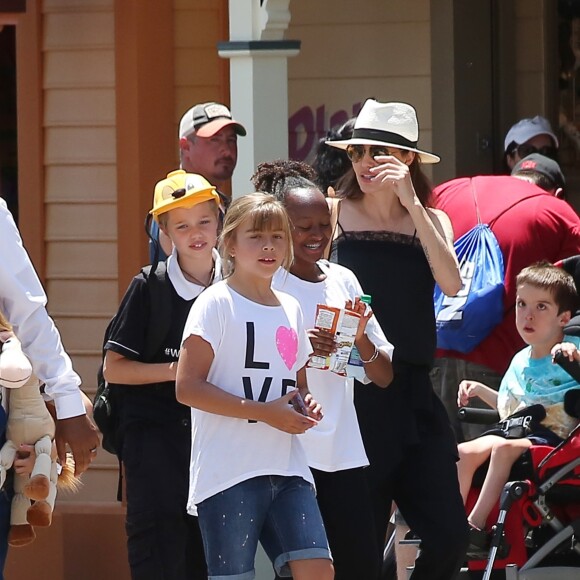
(474, 194)
(160, 308)
(334, 212)
(491, 222)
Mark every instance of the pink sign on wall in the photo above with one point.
(308, 124)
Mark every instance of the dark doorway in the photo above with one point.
(8, 128)
(569, 97)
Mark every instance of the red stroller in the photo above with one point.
(537, 529)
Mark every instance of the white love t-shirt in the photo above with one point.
(258, 350)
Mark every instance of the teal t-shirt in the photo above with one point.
(531, 381)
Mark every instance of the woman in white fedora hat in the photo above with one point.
(398, 247)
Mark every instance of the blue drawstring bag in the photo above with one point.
(464, 320)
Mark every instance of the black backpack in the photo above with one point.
(108, 398)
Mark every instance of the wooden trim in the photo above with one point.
(144, 62)
(259, 45)
(90, 507)
(12, 6)
(224, 68)
(30, 134)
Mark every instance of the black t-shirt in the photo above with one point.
(154, 402)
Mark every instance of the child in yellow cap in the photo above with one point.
(155, 435)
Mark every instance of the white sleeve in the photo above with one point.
(23, 302)
(378, 338)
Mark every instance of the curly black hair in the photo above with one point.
(280, 176)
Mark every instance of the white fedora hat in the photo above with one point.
(393, 124)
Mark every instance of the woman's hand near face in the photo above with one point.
(394, 174)
(432, 227)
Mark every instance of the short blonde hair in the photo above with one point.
(265, 214)
(4, 324)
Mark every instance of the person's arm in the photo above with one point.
(313, 407)
(469, 389)
(433, 226)
(377, 362)
(379, 368)
(120, 369)
(23, 301)
(126, 346)
(86, 401)
(194, 390)
(436, 234)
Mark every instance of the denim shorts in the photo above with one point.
(539, 436)
(280, 512)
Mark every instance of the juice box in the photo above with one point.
(343, 324)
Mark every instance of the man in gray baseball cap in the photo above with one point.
(527, 136)
(208, 146)
(208, 142)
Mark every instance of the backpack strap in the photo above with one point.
(491, 222)
(474, 194)
(152, 231)
(159, 308)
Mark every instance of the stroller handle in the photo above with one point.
(572, 397)
(571, 367)
(479, 416)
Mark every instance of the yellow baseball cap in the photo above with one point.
(181, 189)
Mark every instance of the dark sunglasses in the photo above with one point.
(526, 149)
(357, 152)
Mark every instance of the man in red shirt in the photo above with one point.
(530, 225)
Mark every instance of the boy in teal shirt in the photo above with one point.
(546, 299)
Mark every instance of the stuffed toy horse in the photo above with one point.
(29, 422)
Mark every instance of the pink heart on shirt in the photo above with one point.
(287, 345)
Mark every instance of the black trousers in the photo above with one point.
(419, 473)
(163, 541)
(346, 508)
(427, 493)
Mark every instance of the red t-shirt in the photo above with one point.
(535, 226)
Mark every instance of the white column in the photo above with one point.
(259, 100)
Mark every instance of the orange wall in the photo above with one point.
(103, 86)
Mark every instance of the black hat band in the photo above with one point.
(385, 136)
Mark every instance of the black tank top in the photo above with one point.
(393, 269)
